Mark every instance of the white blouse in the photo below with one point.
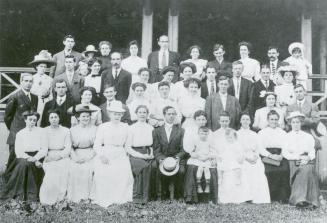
(303, 67)
(188, 105)
(250, 142)
(260, 117)
(94, 82)
(251, 69)
(200, 64)
(133, 65)
(31, 140)
(42, 84)
(58, 139)
(140, 134)
(298, 143)
(285, 94)
(270, 138)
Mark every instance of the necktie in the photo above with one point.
(29, 96)
(163, 59)
(60, 101)
(273, 69)
(212, 87)
(300, 106)
(70, 78)
(237, 88)
(116, 73)
(267, 84)
(169, 132)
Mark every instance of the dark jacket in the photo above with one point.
(223, 69)
(245, 93)
(105, 117)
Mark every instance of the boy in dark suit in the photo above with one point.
(223, 67)
(209, 83)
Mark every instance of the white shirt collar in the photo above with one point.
(223, 95)
(26, 92)
(168, 126)
(63, 98)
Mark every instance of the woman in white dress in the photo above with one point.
(251, 67)
(285, 92)
(303, 66)
(260, 117)
(138, 99)
(82, 154)
(86, 100)
(133, 63)
(254, 178)
(186, 70)
(94, 79)
(195, 53)
(113, 178)
(144, 75)
(42, 83)
(191, 102)
(56, 164)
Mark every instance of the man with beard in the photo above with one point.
(117, 77)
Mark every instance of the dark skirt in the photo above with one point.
(190, 190)
(279, 181)
(304, 184)
(142, 171)
(24, 181)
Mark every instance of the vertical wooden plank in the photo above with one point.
(323, 54)
(173, 19)
(147, 28)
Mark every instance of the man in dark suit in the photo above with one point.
(157, 60)
(59, 58)
(61, 102)
(23, 100)
(223, 67)
(274, 63)
(110, 93)
(118, 77)
(240, 87)
(209, 83)
(222, 101)
(168, 142)
(259, 88)
(74, 80)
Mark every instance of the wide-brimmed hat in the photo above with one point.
(43, 57)
(294, 45)
(294, 115)
(288, 68)
(90, 49)
(169, 166)
(116, 106)
(78, 109)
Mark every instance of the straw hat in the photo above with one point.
(43, 57)
(294, 45)
(79, 109)
(294, 115)
(116, 106)
(169, 166)
(90, 49)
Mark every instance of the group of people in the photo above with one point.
(109, 130)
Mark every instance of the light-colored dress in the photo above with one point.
(200, 64)
(251, 69)
(134, 104)
(133, 65)
(94, 82)
(42, 84)
(149, 93)
(255, 180)
(113, 182)
(303, 67)
(55, 181)
(285, 95)
(80, 176)
(188, 105)
(180, 91)
(260, 118)
(96, 117)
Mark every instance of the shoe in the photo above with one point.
(200, 190)
(207, 188)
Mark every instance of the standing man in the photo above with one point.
(260, 87)
(240, 87)
(60, 102)
(59, 58)
(157, 60)
(209, 83)
(274, 64)
(23, 100)
(118, 77)
(73, 79)
(223, 67)
(222, 101)
(168, 150)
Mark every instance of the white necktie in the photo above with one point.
(60, 101)
(169, 132)
(237, 95)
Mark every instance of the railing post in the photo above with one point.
(0, 85)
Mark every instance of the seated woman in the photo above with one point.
(87, 94)
(272, 139)
(94, 79)
(254, 176)
(230, 158)
(26, 171)
(285, 92)
(191, 101)
(260, 117)
(195, 53)
(113, 178)
(191, 181)
(56, 163)
(141, 155)
(82, 154)
(301, 155)
(138, 99)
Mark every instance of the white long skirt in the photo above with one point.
(255, 182)
(55, 181)
(113, 182)
(80, 177)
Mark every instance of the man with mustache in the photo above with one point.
(274, 64)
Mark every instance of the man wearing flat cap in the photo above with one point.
(23, 100)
